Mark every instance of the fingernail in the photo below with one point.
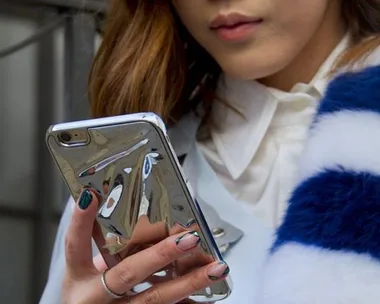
(218, 271)
(188, 241)
(85, 199)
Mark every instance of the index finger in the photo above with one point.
(138, 267)
(78, 247)
(179, 289)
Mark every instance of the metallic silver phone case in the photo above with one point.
(130, 163)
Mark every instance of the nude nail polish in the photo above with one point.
(218, 271)
(188, 241)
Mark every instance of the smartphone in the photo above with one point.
(129, 161)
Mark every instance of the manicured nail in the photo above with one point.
(188, 241)
(218, 271)
(85, 199)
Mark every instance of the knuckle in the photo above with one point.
(125, 274)
(164, 253)
(197, 281)
(69, 246)
(152, 296)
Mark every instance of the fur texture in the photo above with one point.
(328, 248)
(342, 139)
(353, 91)
(297, 274)
(338, 210)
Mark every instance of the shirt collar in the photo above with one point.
(246, 109)
(322, 77)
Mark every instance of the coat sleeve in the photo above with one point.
(52, 292)
(327, 249)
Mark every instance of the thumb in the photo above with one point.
(78, 247)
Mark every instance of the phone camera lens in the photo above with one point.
(65, 137)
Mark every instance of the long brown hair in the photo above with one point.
(149, 62)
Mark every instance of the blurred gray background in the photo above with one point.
(46, 48)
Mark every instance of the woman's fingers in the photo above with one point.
(179, 289)
(138, 267)
(196, 259)
(99, 263)
(83, 270)
(78, 245)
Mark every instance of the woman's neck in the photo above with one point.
(308, 62)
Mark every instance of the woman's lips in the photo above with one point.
(234, 27)
(238, 32)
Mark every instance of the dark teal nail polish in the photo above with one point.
(85, 199)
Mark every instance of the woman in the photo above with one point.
(239, 82)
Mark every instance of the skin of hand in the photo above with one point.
(82, 282)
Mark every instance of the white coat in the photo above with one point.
(328, 248)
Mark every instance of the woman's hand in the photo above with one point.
(82, 282)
